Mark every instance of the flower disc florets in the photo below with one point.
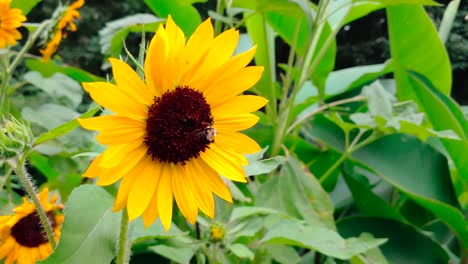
(28, 232)
(177, 126)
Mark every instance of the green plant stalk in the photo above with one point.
(220, 11)
(29, 188)
(123, 247)
(8, 70)
(287, 112)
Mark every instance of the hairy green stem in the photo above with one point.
(123, 247)
(220, 11)
(29, 188)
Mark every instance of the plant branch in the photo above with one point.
(123, 250)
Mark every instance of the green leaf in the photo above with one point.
(182, 11)
(48, 115)
(316, 237)
(47, 69)
(241, 251)
(263, 36)
(90, 228)
(259, 166)
(379, 100)
(283, 254)
(60, 87)
(368, 203)
(24, 5)
(405, 243)
(64, 128)
(113, 35)
(409, 165)
(372, 256)
(444, 114)
(297, 193)
(447, 20)
(412, 38)
(179, 249)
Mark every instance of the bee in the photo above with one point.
(206, 134)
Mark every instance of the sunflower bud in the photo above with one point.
(217, 232)
(15, 137)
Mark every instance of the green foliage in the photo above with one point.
(361, 165)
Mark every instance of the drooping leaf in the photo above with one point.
(113, 35)
(316, 237)
(89, 229)
(242, 251)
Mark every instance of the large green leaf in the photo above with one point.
(444, 113)
(298, 193)
(409, 165)
(415, 45)
(316, 237)
(90, 228)
(184, 14)
(405, 245)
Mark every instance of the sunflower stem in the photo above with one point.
(123, 250)
(220, 11)
(29, 188)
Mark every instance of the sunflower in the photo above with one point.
(65, 24)
(10, 20)
(22, 238)
(174, 134)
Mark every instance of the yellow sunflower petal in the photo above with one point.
(237, 142)
(176, 39)
(239, 105)
(125, 187)
(114, 154)
(94, 170)
(122, 133)
(223, 164)
(144, 187)
(234, 64)
(158, 51)
(232, 85)
(201, 192)
(108, 122)
(151, 212)
(183, 195)
(195, 51)
(112, 175)
(221, 50)
(127, 78)
(165, 196)
(235, 123)
(211, 178)
(112, 97)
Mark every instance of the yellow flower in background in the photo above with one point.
(67, 21)
(65, 24)
(172, 136)
(22, 239)
(10, 20)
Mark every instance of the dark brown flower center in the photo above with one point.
(28, 232)
(179, 126)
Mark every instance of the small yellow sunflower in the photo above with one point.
(174, 134)
(10, 20)
(22, 238)
(65, 24)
